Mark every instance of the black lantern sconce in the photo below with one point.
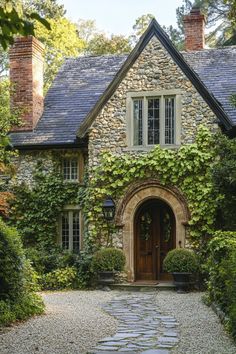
(108, 209)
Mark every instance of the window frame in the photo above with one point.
(145, 95)
(80, 167)
(71, 209)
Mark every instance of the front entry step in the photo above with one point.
(144, 286)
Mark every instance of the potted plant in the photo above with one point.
(106, 262)
(182, 263)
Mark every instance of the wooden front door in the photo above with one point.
(154, 237)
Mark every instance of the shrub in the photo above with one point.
(108, 259)
(221, 267)
(64, 278)
(11, 263)
(180, 260)
(17, 280)
(45, 260)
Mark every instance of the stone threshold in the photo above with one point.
(144, 286)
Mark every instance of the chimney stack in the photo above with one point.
(194, 28)
(26, 76)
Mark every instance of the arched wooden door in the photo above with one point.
(154, 227)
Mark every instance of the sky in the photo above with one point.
(118, 16)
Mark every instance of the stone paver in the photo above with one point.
(142, 328)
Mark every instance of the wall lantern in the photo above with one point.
(108, 209)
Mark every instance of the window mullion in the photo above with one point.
(145, 121)
(162, 120)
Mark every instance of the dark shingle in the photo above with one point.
(76, 89)
(217, 70)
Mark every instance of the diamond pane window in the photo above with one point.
(138, 122)
(153, 121)
(169, 120)
(70, 169)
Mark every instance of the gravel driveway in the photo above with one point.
(75, 322)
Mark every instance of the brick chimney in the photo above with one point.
(194, 28)
(26, 75)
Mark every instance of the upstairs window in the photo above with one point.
(70, 169)
(153, 120)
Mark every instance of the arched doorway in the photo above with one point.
(154, 237)
(129, 206)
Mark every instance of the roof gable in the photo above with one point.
(154, 29)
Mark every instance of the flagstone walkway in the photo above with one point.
(142, 327)
(109, 322)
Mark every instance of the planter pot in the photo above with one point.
(106, 278)
(183, 281)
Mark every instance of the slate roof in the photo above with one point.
(217, 69)
(81, 82)
(78, 86)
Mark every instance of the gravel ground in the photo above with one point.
(200, 331)
(75, 322)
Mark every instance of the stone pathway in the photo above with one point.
(142, 327)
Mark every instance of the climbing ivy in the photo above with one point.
(187, 168)
(35, 209)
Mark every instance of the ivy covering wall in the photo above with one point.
(189, 169)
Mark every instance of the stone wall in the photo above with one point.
(154, 70)
(28, 161)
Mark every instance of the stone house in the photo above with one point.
(124, 104)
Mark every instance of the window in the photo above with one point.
(70, 230)
(153, 118)
(70, 169)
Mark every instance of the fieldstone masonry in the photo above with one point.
(153, 70)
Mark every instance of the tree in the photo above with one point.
(98, 43)
(61, 41)
(45, 8)
(101, 44)
(13, 21)
(140, 26)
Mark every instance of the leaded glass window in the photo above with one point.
(138, 121)
(169, 120)
(70, 169)
(70, 230)
(153, 121)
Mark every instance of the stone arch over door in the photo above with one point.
(135, 196)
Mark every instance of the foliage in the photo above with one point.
(62, 278)
(35, 209)
(17, 299)
(221, 267)
(62, 41)
(13, 20)
(100, 44)
(180, 260)
(46, 8)
(8, 118)
(224, 173)
(108, 259)
(188, 168)
(45, 260)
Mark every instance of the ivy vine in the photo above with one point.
(188, 168)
